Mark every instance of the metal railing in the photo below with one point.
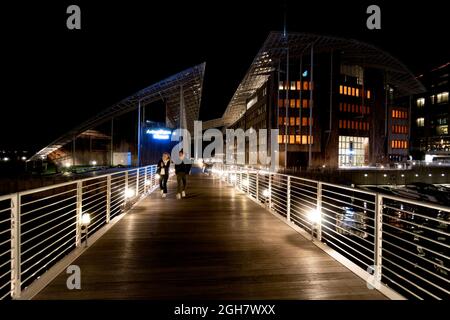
(39, 227)
(399, 245)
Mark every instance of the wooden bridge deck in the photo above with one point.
(214, 244)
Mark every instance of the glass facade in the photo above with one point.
(353, 151)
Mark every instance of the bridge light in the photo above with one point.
(314, 216)
(385, 175)
(94, 163)
(129, 193)
(430, 175)
(85, 219)
(266, 193)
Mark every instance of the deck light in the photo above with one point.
(266, 193)
(85, 219)
(129, 193)
(314, 216)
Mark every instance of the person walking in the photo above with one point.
(163, 171)
(181, 170)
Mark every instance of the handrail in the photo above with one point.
(50, 226)
(352, 226)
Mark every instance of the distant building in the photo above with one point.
(336, 102)
(431, 116)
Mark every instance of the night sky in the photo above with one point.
(55, 78)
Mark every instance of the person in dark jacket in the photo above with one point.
(163, 171)
(181, 170)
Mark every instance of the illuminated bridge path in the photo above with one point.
(215, 244)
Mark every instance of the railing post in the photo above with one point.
(108, 198)
(248, 182)
(145, 179)
(270, 191)
(240, 180)
(319, 211)
(137, 181)
(16, 284)
(79, 213)
(125, 188)
(288, 204)
(257, 186)
(378, 236)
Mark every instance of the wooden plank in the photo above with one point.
(214, 244)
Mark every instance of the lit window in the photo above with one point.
(304, 140)
(420, 122)
(280, 138)
(291, 139)
(297, 103)
(292, 103)
(305, 103)
(298, 139)
(292, 85)
(345, 90)
(297, 121)
(420, 102)
(292, 121)
(368, 94)
(353, 92)
(442, 97)
(341, 89)
(357, 92)
(298, 85)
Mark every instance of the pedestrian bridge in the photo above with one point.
(239, 234)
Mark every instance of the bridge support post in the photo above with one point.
(288, 204)
(378, 237)
(16, 280)
(79, 213)
(108, 198)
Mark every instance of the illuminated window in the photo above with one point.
(442, 130)
(280, 138)
(442, 97)
(297, 103)
(305, 103)
(345, 89)
(357, 92)
(292, 121)
(280, 103)
(292, 85)
(353, 92)
(297, 121)
(298, 85)
(292, 103)
(341, 89)
(340, 123)
(298, 139)
(353, 151)
(368, 94)
(281, 121)
(291, 139)
(340, 106)
(305, 121)
(420, 102)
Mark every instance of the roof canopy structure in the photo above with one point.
(188, 82)
(353, 52)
